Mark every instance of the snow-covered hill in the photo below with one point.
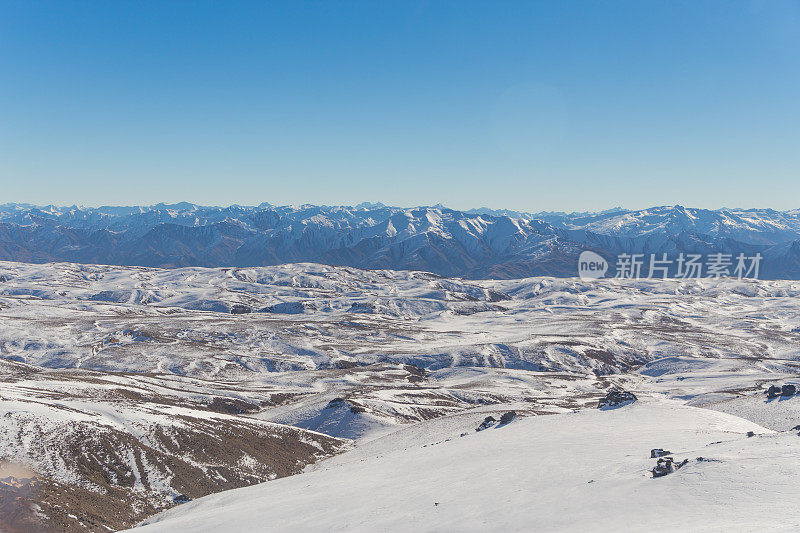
(585, 471)
(474, 244)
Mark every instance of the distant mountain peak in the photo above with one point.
(371, 205)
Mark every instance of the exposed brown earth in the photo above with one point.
(96, 474)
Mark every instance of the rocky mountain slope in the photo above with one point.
(106, 450)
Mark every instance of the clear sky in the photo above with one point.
(551, 105)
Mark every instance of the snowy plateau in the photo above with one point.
(306, 397)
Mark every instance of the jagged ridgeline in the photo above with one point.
(479, 243)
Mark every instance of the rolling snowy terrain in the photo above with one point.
(128, 390)
(476, 244)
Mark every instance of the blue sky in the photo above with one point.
(523, 105)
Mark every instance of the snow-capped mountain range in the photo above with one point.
(479, 243)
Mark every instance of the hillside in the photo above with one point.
(584, 471)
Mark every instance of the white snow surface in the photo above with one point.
(583, 471)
